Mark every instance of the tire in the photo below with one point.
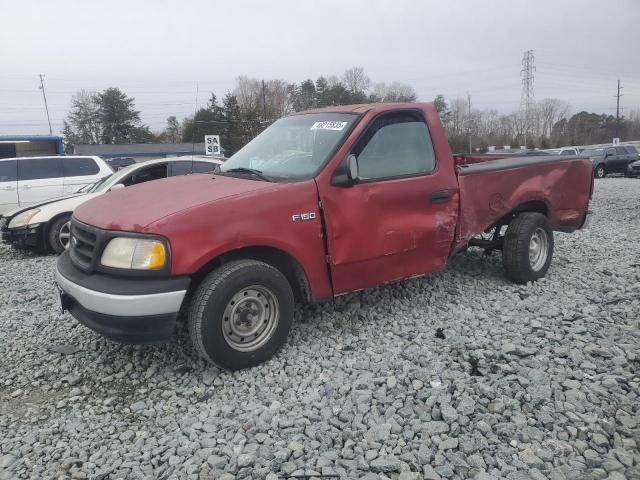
(600, 171)
(241, 314)
(527, 234)
(56, 234)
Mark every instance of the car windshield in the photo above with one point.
(292, 148)
(99, 185)
(593, 152)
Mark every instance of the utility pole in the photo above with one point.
(527, 99)
(618, 110)
(44, 95)
(264, 102)
(469, 119)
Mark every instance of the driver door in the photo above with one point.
(398, 220)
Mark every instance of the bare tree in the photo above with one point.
(458, 117)
(269, 99)
(356, 80)
(248, 92)
(395, 92)
(82, 125)
(548, 112)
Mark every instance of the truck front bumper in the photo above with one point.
(126, 310)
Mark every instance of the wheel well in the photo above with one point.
(531, 206)
(50, 223)
(275, 257)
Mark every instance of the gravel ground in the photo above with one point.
(458, 375)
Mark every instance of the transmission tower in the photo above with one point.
(527, 100)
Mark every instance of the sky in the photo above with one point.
(163, 52)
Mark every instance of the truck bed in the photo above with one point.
(491, 189)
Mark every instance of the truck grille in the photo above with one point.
(86, 245)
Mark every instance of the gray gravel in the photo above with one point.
(529, 382)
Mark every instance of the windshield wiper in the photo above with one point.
(250, 171)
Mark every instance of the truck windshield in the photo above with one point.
(293, 147)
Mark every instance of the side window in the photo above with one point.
(39, 168)
(8, 171)
(610, 151)
(621, 151)
(146, 175)
(203, 167)
(79, 167)
(180, 168)
(395, 145)
(567, 152)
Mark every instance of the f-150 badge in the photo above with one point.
(303, 217)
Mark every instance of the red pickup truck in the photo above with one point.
(322, 203)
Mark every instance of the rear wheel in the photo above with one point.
(241, 314)
(59, 234)
(528, 247)
(600, 171)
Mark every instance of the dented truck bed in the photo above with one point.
(496, 188)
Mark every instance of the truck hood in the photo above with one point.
(134, 208)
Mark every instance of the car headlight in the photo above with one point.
(134, 254)
(23, 218)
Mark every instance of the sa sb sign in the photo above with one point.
(212, 144)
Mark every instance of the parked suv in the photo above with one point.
(608, 160)
(28, 180)
(633, 169)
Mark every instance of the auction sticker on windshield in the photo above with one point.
(329, 125)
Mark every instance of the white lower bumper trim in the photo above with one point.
(122, 305)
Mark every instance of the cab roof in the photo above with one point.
(365, 107)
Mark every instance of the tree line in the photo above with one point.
(548, 125)
(110, 117)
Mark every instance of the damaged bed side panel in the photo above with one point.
(490, 192)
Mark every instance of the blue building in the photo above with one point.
(30, 145)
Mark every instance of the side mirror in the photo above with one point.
(347, 173)
(608, 155)
(117, 186)
(352, 167)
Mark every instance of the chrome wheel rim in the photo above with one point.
(538, 249)
(64, 235)
(600, 172)
(250, 318)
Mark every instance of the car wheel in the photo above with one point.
(600, 172)
(528, 247)
(241, 314)
(60, 234)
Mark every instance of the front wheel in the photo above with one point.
(600, 172)
(60, 234)
(528, 247)
(241, 314)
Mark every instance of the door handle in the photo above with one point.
(26, 187)
(441, 196)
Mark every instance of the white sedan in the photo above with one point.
(45, 226)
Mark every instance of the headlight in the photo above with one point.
(134, 253)
(23, 218)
